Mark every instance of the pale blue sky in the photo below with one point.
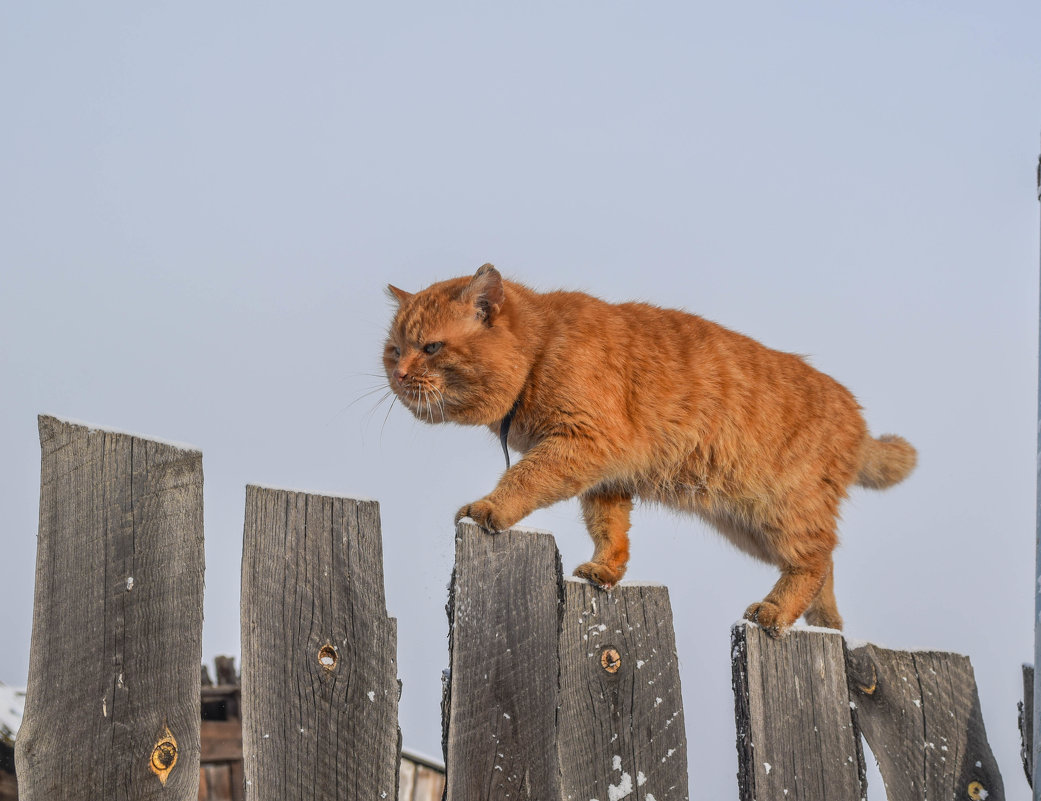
(200, 205)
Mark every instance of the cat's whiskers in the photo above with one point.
(393, 398)
(366, 394)
(425, 403)
(440, 402)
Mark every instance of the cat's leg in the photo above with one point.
(823, 610)
(802, 579)
(607, 519)
(554, 470)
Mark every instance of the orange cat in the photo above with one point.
(614, 402)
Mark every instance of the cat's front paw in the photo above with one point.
(484, 514)
(600, 574)
(769, 617)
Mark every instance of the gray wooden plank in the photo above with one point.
(797, 738)
(117, 620)
(920, 714)
(319, 676)
(1026, 723)
(504, 621)
(621, 715)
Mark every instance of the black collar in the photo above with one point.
(504, 428)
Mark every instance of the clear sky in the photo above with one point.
(200, 205)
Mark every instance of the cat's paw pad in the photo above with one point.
(602, 575)
(483, 514)
(769, 618)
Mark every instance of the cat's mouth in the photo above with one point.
(425, 402)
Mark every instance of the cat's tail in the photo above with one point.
(885, 461)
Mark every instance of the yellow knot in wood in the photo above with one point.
(327, 656)
(977, 792)
(164, 755)
(610, 660)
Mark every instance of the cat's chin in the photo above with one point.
(425, 411)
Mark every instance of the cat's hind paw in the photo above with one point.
(603, 576)
(768, 617)
(483, 514)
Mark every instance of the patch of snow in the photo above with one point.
(341, 496)
(532, 530)
(768, 767)
(620, 790)
(816, 629)
(92, 427)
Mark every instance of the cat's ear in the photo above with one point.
(398, 295)
(485, 291)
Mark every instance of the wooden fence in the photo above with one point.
(555, 689)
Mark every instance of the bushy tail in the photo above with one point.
(885, 461)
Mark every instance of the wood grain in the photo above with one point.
(117, 618)
(312, 590)
(797, 738)
(504, 620)
(621, 715)
(920, 714)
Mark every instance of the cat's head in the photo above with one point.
(451, 354)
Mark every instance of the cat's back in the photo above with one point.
(669, 359)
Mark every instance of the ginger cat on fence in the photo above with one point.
(611, 402)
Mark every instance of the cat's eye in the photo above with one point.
(396, 351)
(432, 347)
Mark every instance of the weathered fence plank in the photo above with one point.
(1026, 724)
(112, 709)
(319, 677)
(797, 738)
(621, 715)
(920, 714)
(504, 622)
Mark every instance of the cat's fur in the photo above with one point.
(617, 402)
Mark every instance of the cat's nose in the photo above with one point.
(400, 375)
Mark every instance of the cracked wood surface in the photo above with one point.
(504, 623)
(797, 737)
(319, 676)
(117, 620)
(621, 715)
(920, 714)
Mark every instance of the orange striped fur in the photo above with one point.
(622, 401)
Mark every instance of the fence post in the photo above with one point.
(504, 621)
(621, 715)
(1026, 723)
(112, 708)
(797, 737)
(557, 690)
(920, 714)
(319, 676)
